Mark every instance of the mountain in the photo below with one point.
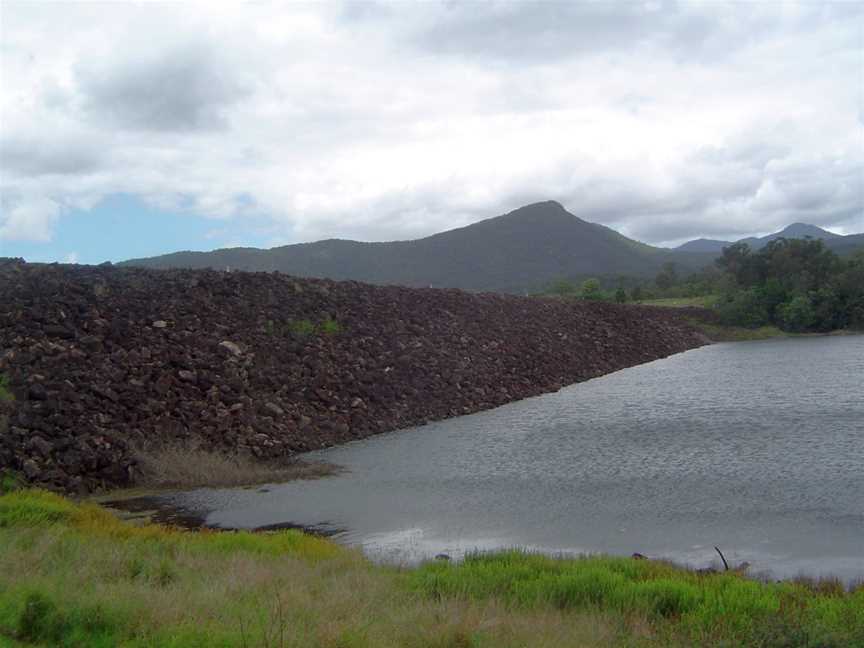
(520, 251)
(703, 245)
(833, 241)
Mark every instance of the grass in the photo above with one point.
(74, 575)
(5, 394)
(185, 466)
(723, 333)
(301, 328)
(714, 331)
(702, 301)
(330, 327)
(9, 481)
(305, 328)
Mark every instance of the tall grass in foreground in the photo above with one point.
(73, 575)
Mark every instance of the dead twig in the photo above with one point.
(725, 564)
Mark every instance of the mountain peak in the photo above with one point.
(801, 230)
(542, 207)
(793, 231)
(545, 210)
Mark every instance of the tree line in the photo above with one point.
(798, 285)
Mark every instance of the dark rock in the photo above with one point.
(274, 409)
(59, 332)
(91, 342)
(41, 445)
(229, 348)
(30, 469)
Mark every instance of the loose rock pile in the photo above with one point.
(103, 360)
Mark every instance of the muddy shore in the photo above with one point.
(105, 363)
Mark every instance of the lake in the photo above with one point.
(755, 447)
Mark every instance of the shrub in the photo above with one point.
(301, 328)
(40, 620)
(5, 394)
(744, 308)
(330, 327)
(305, 328)
(9, 481)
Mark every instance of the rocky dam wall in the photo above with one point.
(101, 361)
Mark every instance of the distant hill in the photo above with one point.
(520, 251)
(834, 241)
(703, 245)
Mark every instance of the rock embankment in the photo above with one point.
(104, 360)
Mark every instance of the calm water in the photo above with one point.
(756, 447)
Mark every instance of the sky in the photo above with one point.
(131, 129)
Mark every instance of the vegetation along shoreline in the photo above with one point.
(74, 575)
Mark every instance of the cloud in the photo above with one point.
(392, 120)
(179, 90)
(537, 33)
(35, 156)
(30, 219)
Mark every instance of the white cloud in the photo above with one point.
(396, 120)
(29, 219)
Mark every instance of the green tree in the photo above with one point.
(738, 262)
(797, 315)
(667, 277)
(744, 308)
(562, 287)
(796, 284)
(590, 289)
(848, 289)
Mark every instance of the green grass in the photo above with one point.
(717, 332)
(9, 481)
(722, 333)
(330, 327)
(702, 301)
(74, 575)
(305, 328)
(5, 394)
(702, 609)
(301, 328)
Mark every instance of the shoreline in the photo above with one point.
(145, 510)
(75, 574)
